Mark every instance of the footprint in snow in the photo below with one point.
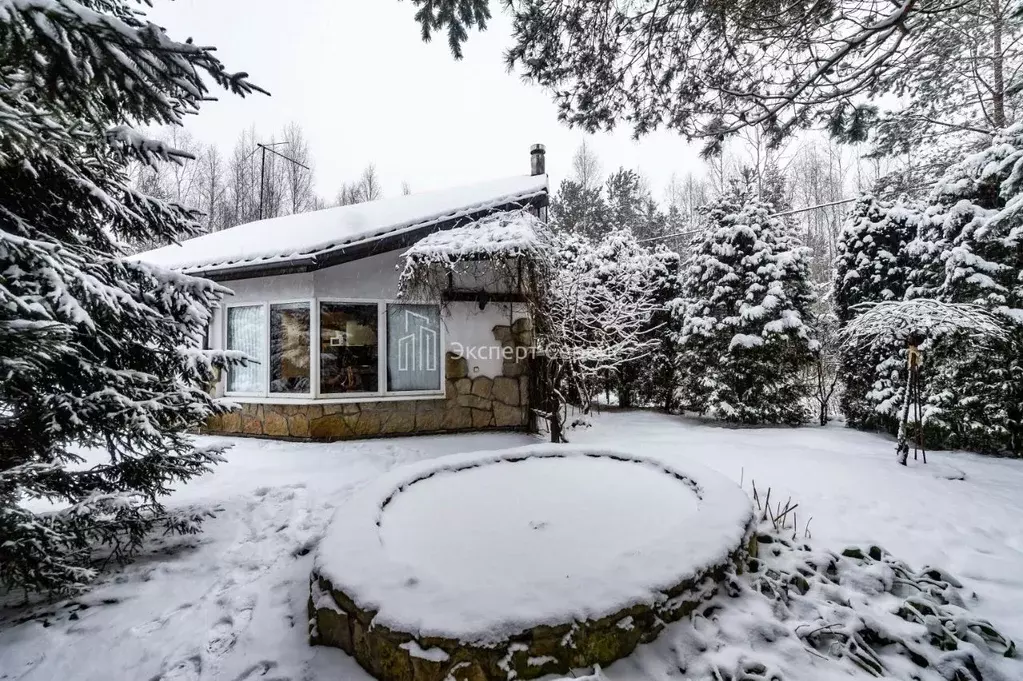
(224, 634)
(148, 628)
(189, 669)
(260, 670)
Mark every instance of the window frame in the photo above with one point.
(381, 349)
(264, 365)
(441, 350)
(266, 377)
(382, 393)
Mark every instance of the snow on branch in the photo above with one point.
(489, 252)
(881, 323)
(508, 234)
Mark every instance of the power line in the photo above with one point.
(792, 212)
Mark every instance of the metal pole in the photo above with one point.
(262, 170)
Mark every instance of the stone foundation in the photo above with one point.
(469, 404)
(335, 620)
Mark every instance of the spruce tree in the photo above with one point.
(873, 265)
(577, 209)
(657, 373)
(97, 351)
(744, 344)
(972, 252)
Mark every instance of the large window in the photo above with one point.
(246, 332)
(349, 352)
(325, 348)
(289, 348)
(413, 347)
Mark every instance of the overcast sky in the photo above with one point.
(358, 78)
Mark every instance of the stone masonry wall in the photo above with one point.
(470, 403)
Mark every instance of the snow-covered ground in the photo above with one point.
(231, 603)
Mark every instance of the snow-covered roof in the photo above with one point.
(311, 238)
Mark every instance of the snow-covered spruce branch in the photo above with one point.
(923, 318)
(96, 352)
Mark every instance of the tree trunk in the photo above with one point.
(997, 67)
(902, 444)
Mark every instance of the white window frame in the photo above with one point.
(265, 364)
(381, 394)
(266, 377)
(441, 346)
(381, 350)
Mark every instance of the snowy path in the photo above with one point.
(230, 604)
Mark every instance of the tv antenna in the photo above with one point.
(263, 148)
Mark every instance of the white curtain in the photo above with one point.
(413, 347)
(246, 332)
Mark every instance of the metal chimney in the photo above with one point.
(538, 160)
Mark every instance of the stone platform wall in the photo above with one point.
(469, 403)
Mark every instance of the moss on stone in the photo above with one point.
(334, 629)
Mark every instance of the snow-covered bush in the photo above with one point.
(590, 305)
(645, 279)
(95, 350)
(744, 344)
(595, 322)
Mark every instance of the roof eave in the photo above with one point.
(363, 249)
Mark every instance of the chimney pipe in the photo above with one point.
(538, 160)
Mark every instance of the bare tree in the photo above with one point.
(273, 182)
(586, 330)
(369, 184)
(586, 167)
(243, 181)
(406, 188)
(183, 178)
(826, 355)
(348, 194)
(818, 177)
(212, 190)
(367, 188)
(685, 196)
(298, 180)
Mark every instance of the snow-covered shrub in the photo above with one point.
(744, 344)
(590, 305)
(801, 610)
(595, 324)
(638, 276)
(95, 350)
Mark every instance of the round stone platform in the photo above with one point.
(521, 563)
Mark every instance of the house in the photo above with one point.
(315, 302)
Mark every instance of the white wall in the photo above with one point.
(376, 278)
(472, 331)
